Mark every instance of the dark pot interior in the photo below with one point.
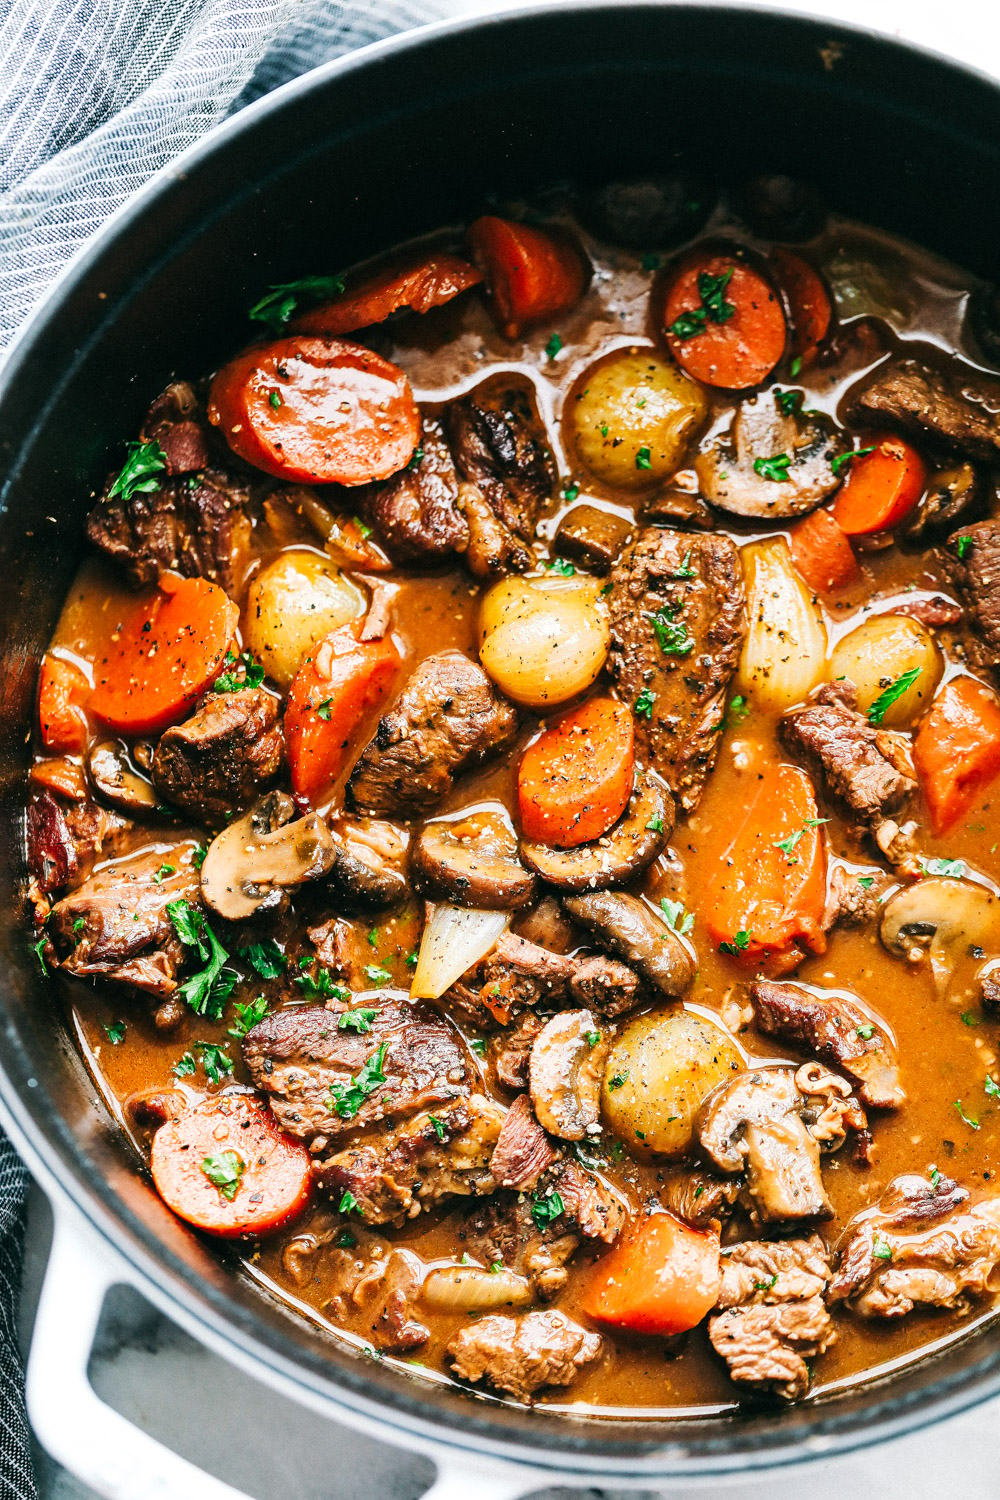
(334, 167)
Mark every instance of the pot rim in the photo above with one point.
(404, 1414)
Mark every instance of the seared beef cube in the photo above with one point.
(592, 536)
(501, 454)
(223, 756)
(116, 926)
(972, 557)
(448, 717)
(196, 527)
(699, 1198)
(416, 512)
(66, 839)
(434, 1157)
(678, 622)
(523, 1355)
(369, 869)
(866, 768)
(956, 408)
(511, 1049)
(834, 1028)
(523, 1151)
(519, 975)
(176, 422)
(324, 1079)
(772, 1316)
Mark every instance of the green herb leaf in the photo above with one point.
(115, 1033)
(969, 1018)
(881, 1249)
(324, 709)
(840, 463)
(553, 346)
(248, 1016)
(274, 400)
(788, 401)
(643, 459)
(672, 636)
(186, 1066)
(282, 298)
(593, 1037)
(992, 1088)
(966, 1119)
(163, 872)
(655, 825)
(377, 975)
(886, 699)
(934, 1175)
(233, 681)
(571, 490)
(416, 458)
(643, 705)
(478, 1045)
(346, 1240)
(739, 944)
(866, 882)
(440, 1130)
(359, 1020)
(546, 1208)
(618, 1080)
(561, 567)
(215, 1060)
(738, 709)
(225, 1172)
(765, 1286)
(865, 1032)
(319, 985)
(265, 958)
(952, 867)
(348, 1203)
(678, 919)
(347, 1100)
(38, 949)
(713, 307)
(685, 570)
(795, 368)
(962, 547)
(774, 468)
(138, 474)
(208, 990)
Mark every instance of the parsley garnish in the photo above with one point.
(952, 867)
(440, 1129)
(992, 1088)
(321, 985)
(841, 461)
(546, 1208)
(207, 991)
(713, 306)
(265, 958)
(677, 918)
(934, 1175)
(215, 1060)
(38, 949)
(571, 491)
(739, 944)
(672, 636)
(655, 825)
(348, 1203)
(788, 401)
(643, 459)
(643, 705)
(969, 1018)
(866, 882)
(137, 476)
(865, 1032)
(323, 710)
(163, 872)
(363, 526)
(795, 368)
(347, 1100)
(224, 1172)
(618, 1080)
(478, 1045)
(738, 709)
(685, 570)
(248, 1016)
(115, 1033)
(346, 1240)
(232, 682)
(962, 547)
(359, 1020)
(199, 856)
(274, 400)
(553, 346)
(377, 975)
(881, 1249)
(593, 1037)
(560, 566)
(282, 298)
(774, 468)
(885, 700)
(765, 1286)
(416, 458)
(966, 1119)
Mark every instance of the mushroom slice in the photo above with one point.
(472, 860)
(250, 864)
(118, 782)
(944, 919)
(627, 926)
(629, 847)
(792, 454)
(565, 1071)
(369, 866)
(771, 1123)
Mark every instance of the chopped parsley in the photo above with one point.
(546, 1208)
(363, 526)
(215, 1060)
(115, 1033)
(962, 547)
(655, 825)
(199, 856)
(765, 1286)
(840, 463)
(359, 1020)
(208, 990)
(618, 1080)
(966, 1119)
(788, 401)
(643, 705)
(440, 1129)
(319, 985)
(225, 1172)
(678, 920)
(372, 937)
(345, 1099)
(377, 975)
(934, 1175)
(282, 298)
(593, 1037)
(553, 346)
(740, 943)
(346, 1240)
(138, 474)
(38, 949)
(969, 1018)
(79, 924)
(991, 1087)
(231, 681)
(865, 1032)
(787, 845)
(738, 709)
(163, 872)
(672, 636)
(348, 1203)
(881, 1249)
(265, 958)
(795, 368)
(952, 867)
(713, 307)
(685, 570)
(643, 459)
(478, 1045)
(324, 709)
(561, 567)
(892, 693)
(274, 400)
(571, 490)
(416, 458)
(866, 882)
(248, 1016)
(186, 1066)
(774, 468)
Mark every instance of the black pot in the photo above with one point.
(400, 138)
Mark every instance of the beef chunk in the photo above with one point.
(592, 536)
(448, 717)
(65, 840)
(523, 1151)
(384, 1296)
(989, 990)
(972, 557)
(522, 1355)
(176, 422)
(502, 1229)
(700, 1198)
(300, 1056)
(511, 1050)
(686, 589)
(369, 868)
(518, 975)
(851, 903)
(934, 612)
(866, 768)
(199, 529)
(956, 408)
(116, 926)
(222, 757)
(501, 454)
(397, 1174)
(833, 1027)
(416, 512)
(921, 1247)
(771, 1315)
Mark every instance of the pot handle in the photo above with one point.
(89, 1438)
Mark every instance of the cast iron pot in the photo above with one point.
(400, 138)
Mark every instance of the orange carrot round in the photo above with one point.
(63, 691)
(723, 321)
(226, 1167)
(531, 274)
(575, 780)
(330, 700)
(419, 287)
(882, 486)
(316, 411)
(808, 300)
(767, 889)
(164, 655)
(662, 1277)
(822, 553)
(957, 749)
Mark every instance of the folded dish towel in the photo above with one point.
(96, 96)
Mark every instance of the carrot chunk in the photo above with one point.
(957, 749)
(884, 482)
(575, 780)
(531, 274)
(419, 287)
(63, 691)
(661, 1278)
(822, 553)
(723, 321)
(808, 300)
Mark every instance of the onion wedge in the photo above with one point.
(454, 938)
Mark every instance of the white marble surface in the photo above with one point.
(228, 1424)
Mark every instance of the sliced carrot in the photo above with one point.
(316, 411)
(531, 274)
(66, 778)
(226, 1167)
(767, 889)
(331, 698)
(419, 287)
(575, 781)
(957, 749)
(822, 553)
(882, 486)
(661, 1278)
(808, 300)
(63, 691)
(723, 321)
(164, 655)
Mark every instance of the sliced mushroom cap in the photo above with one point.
(565, 1071)
(116, 780)
(761, 432)
(629, 847)
(943, 919)
(753, 1122)
(250, 864)
(472, 860)
(628, 927)
(369, 868)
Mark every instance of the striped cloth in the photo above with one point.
(95, 96)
